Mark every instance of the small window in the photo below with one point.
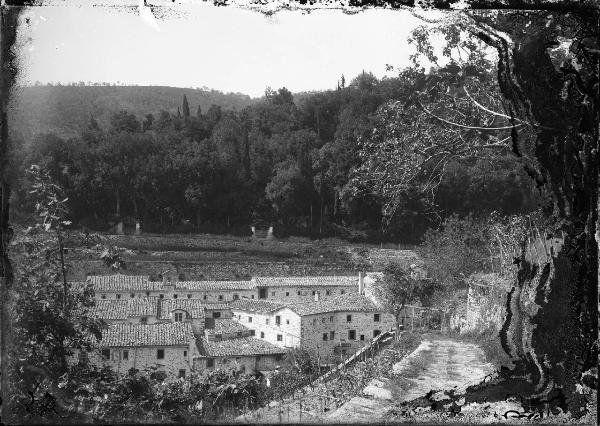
(287, 321)
(160, 354)
(252, 296)
(220, 297)
(328, 292)
(323, 320)
(132, 295)
(189, 296)
(343, 292)
(267, 321)
(277, 320)
(377, 317)
(362, 337)
(118, 296)
(280, 338)
(103, 296)
(348, 318)
(204, 297)
(218, 336)
(147, 293)
(262, 334)
(287, 293)
(125, 354)
(178, 316)
(105, 354)
(252, 332)
(313, 293)
(331, 335)
(376, 333)
(210, 362)
(236, 296)
(331, 318)
(238, 334)
(314, 321)
(298, 292)
(249, 319)
(174, 296)
(162, 296)
(216, 315)
(325, 336)
(185, 353)
(272, 293)
(351, 334)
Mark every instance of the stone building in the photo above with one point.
(244, 353)
(298, 289)
(163, 347)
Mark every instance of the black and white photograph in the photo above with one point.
(292, 212)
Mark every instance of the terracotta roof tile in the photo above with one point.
(324, 281)
(216, 306)
(239, 347)
(119, 282)
(194, 307)
(252, 305)
(160, 334)
(347, 303)
(123, 309)
(214, 285)
(227, 326)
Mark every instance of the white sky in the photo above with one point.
(223, 48)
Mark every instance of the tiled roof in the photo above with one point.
(123, 309)
(214, 285)
(344, 303)
(239, 347)
(226, 326)
(216, 306)
(121, 282)
(324, 281)
(252, 305)
(160, 334)
(194, 307)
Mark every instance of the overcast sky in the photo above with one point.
(224, 48)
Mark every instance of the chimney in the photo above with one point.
(361, 283)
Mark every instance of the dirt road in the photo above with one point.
(437, 364)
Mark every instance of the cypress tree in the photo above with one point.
(186, 108)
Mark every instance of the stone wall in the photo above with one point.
(486, 303)
(292, 294)
(246, 363)
(289, 328)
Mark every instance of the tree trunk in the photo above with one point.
(551, 326)
(118, 199)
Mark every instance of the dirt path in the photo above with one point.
(437, 364)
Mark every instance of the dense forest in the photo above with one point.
(294, 161)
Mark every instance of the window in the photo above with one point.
(313, 293)
(314, 321)
(262, 334)
(118, 296)
(216, 315)
(277, 320)
(331, 335)
(185, 353)
(287, 293)
(105, 354)
(220, 297)
(238, 334)
(160, 354)
(236, 296)
(348, 318)
(249, 319)
(376, 333)
(204, 297)
(343, 292)
(174, 296)
(125, 354)
(132, 295)
(377, 317)
(210, 362)
(189, 296)
(144, 320)
(267, 321)
(218, 337)
(362, 337)
(328, 292)
(325, 337)
(178, 316)
(162, 296)
(147, 293)
(351, 334)
(272, 293)
(181, 373)
(103, 296)
(280, 338)
(287, 321)
(252, 296)
(298, 292)
(323, 320)
(252, 333)
(331, 318)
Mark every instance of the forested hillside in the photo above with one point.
(303, 163)
(65, 110)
